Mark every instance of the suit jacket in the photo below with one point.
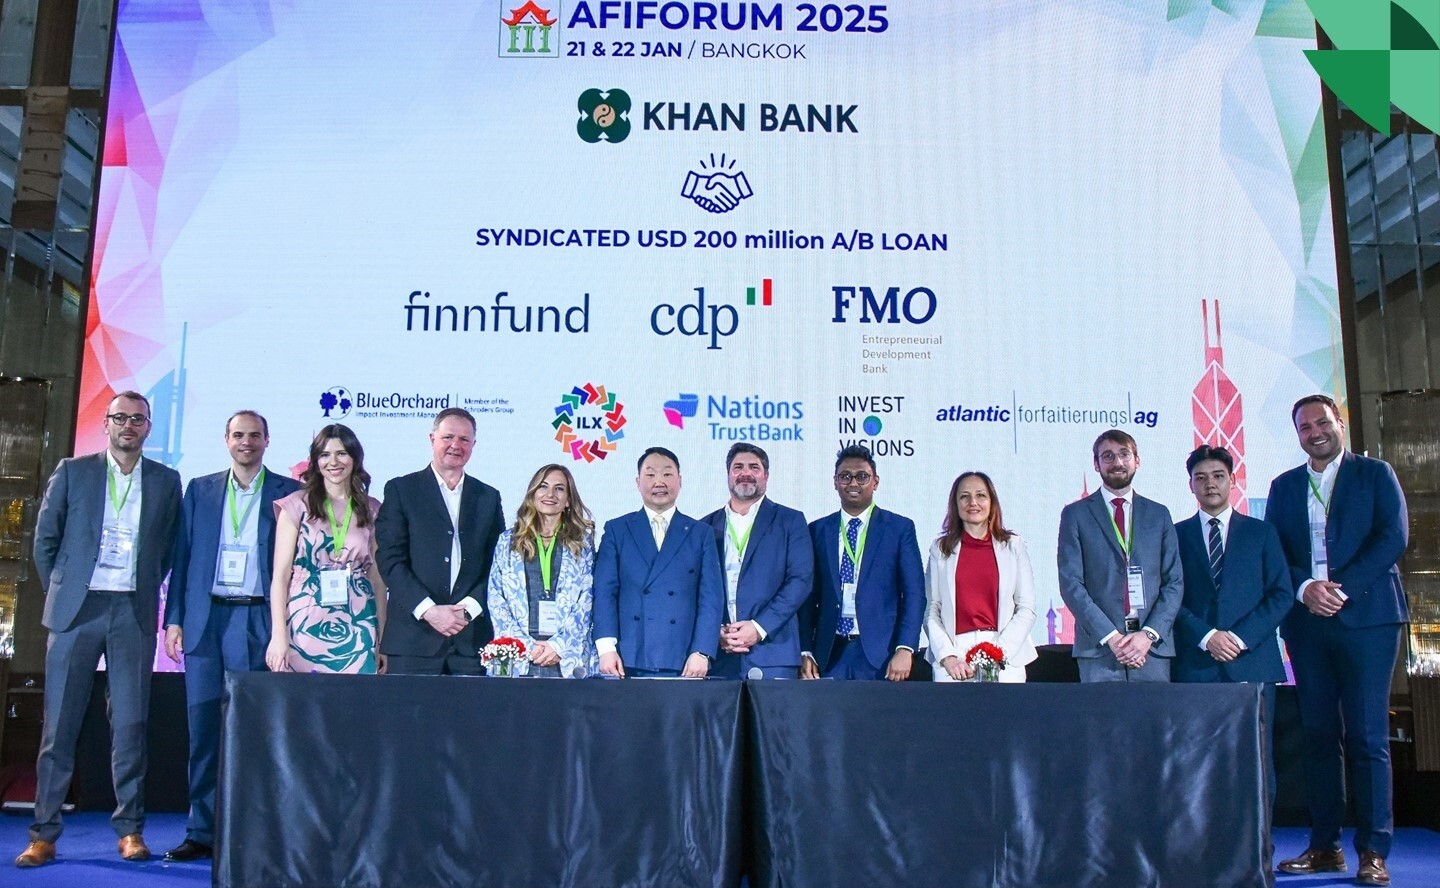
(413, 535)
(1015, 616)
(67, 536)
(889, 592)
(661, 605)
(509, 599)
(775, 578)
(1092, 569)
(1254, 596)
(197, 548)
(1366, 533)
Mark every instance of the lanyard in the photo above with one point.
(546, 553)
(740, 541)
(339, 533)
(1125, 541)
(859, 551)
(238, 521)
(1315, 489)
(112, 487)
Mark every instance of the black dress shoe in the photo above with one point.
(1315, 860)
(1372, 870)
(190, 850)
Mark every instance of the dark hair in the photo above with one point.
(576, 526)
(134, 396)
(253, 415)
(359, 479)
(458, 412)
(1114, 436)
(856, 451)
(1314, 399)
(955, 526)
(1204, 452)
(650, 451)
(746, 447)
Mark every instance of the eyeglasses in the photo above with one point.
(134, 419)
(859, 477)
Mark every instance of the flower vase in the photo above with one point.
(989, 673)
(500, 668)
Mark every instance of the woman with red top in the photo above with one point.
(978, 585)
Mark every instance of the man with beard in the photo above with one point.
(103, 544)
(1120, 572)
(216, 614)
(767, 560)
(1343, 525)
(435, 536)
(659, 595)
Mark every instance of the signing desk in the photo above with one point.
(415, 781)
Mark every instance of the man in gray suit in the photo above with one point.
(1120, 572)
(103, 544)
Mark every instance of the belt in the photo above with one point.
(1132, 624)
(113, 591)
(854, 636)
(221, 599)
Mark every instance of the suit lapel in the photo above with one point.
(1101, 512)
(674, 541)
(830, 549)
(96, 476)
(1192, 537)
(265, 528)
(763, 519)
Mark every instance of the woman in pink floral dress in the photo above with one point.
(327, 601)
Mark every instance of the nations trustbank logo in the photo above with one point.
(604, 115)
(1385, 51)
(336, 401)
(744, 418)
(588, 422)
(529, 31)
(682, 408)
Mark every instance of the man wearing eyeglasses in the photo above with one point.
(103, 544)
(863, 617)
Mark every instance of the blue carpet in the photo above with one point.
(88, 857)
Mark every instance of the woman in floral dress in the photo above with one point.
(327, 601)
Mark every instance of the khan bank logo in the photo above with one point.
(1385, 51)
(604, 115)
(588, 422)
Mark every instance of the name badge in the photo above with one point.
(1319, 560)
(548, 621)
(233, 561)
(335, 586)
(117, 544)
(1135, 585)
(732, 585)
(847, 600)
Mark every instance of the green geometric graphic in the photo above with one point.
(604, 115)
(1386, 51)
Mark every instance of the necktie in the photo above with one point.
(1119, 504)
(1217, 552)
(846, 625)
(658, 526)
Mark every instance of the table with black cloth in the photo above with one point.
(421, 781)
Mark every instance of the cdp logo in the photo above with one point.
(712, 320)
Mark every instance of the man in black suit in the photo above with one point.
(435, 535)
(103, 544)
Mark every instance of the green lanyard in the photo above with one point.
(1315, 489)
(546, 553)
(1124, 541)
(112, 486)
(859, 551)
(339, 533)
(740, 541)
(238, 521)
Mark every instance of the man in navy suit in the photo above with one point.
(216, 613)
(1236, 591)
(1120, 572)
(768, 562)
(104, 539)
(435, 537)
(659, 595)
(1343, 525)
(864, 614)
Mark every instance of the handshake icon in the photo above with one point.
(716, 192)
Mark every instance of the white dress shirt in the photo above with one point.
(127, 518)
(452, 505)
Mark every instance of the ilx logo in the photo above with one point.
(336, 402)
(529, 31)
(1385, 51)
(604, 115)
(715, 321)
(588, 422)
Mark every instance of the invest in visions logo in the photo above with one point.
(530, 31)
(588, 422)
(1386, 51)
(604, 115)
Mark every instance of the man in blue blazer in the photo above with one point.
(765, 553)
(659, 595)
(103, 544)
(1237, 590)
(1343, 525)
(1120, 572)
(435, 538)
(217, 615)
(863, 617)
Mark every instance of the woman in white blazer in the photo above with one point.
(993, 596)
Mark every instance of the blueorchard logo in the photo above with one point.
(715, 187)
(604, 115)
(747, 418)
(864, 419)
(335, 402)
(530, 31)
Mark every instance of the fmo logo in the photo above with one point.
(916, 305)
(604, 115)
(530, 31)
(712, 321)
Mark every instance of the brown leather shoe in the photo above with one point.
(132, 847)
(1315, 860)
(40, 852)
(1372, 870)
